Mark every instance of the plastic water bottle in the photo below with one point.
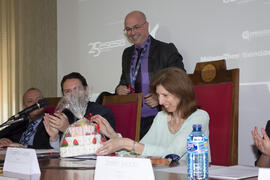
(197, 157)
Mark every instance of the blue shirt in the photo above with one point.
(31, 140)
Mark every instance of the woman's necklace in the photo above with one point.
(174, 124)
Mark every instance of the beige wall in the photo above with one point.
(28, 31)
(38, 23)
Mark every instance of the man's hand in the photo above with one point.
(53, 132)
(263, 144)
(4, 142)
(122, 90)
(58, 121)
(151, 100)
(17, 145)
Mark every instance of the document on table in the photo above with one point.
(76, 163)
(38, 151)
(220, 172)
(47, 153)
(123, 168)
(3, 152)
(42, 151)
(234, 172)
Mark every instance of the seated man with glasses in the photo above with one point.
(141, 61)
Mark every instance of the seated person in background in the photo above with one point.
(171, 126)
(30, 132)
(61, 121)
(263, 145)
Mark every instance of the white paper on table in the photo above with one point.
(3, 152)
(264, 174)
(77, 163)
(178, 169)
(38, 151)
(182, 169)
(234, 172)
(220, 172)
(21, 161)
(43, 151)
(7, 178)
(123, 168)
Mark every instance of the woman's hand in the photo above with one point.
(114, 145)
(105, 126)
(263, 144)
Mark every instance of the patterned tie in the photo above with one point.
(138, 81)
(28, 133)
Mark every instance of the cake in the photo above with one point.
(81, 138)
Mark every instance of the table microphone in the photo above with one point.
(40, 104)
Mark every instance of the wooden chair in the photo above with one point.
(52, 103)
(127, 113)
(217, 92)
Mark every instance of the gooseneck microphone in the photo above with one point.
(22, 115)
(40, 104)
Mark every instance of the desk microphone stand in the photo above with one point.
(9, 121)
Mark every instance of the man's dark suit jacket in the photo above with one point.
(161, 55)
(94, 108)
(15, 131)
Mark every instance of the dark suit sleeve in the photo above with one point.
(267, 128)
(105, 112)
(70, 116)
(108, 115)
(174, 57)
(126, 59)
(14, 131)
(125, 72)
(42, 138)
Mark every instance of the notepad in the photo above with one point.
(220, 172)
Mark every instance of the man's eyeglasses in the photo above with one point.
(134, 28)
(76, 90)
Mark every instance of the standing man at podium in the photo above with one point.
(141, 61)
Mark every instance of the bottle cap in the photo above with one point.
(197, 127)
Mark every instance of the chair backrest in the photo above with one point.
(127, 113)
(52, 104)
(217, 92)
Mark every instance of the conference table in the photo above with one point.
(52, 167)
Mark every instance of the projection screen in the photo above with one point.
(91, 41)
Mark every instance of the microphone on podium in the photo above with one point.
(40, 104)
(21, 116)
